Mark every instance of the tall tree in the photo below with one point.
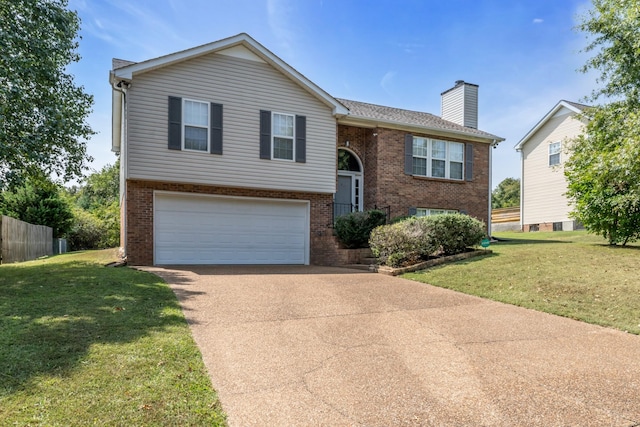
(613, 30)
(603, 171)
(43, 113)
(506, 194)
(603, 174)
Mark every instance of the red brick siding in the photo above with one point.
(382, 152)
(139, 234)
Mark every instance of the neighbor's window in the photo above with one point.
(438, 159)
(283, 136)
(196, 125)
(554, 153)
(428, 211)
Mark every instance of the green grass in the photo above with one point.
(571, 274)
(82, 344)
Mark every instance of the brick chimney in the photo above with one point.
(460, 104)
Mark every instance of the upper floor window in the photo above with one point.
(554, 153)
(438, 159)
(196, 125)
(283, 136)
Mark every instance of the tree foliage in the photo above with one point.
(42, 111)
(506, 194)
(603, 174)
(603, 171)
(97, 212)
(40, 202)
(100, 188)
(613, 29)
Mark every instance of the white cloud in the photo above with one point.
(387, 81)
(538, 21)
(279, 13)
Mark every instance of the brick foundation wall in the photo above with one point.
(323, 246)
(543, 226)
(382, 152)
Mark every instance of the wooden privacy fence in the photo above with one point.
(21, 241)
(505, 219)
(505, 215)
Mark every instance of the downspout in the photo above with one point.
(122, 87)
(521, 190)
(491, 147)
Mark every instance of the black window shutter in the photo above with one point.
(265, 134)
(408, 154)
(468, 162)
(413, 211)
(301, 139)
(175, 123)
(216, 128)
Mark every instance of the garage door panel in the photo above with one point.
(213, 230)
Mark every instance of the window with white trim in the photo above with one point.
(283, 134)
(195, 122)
(554, 153)
(429, 211)
(438, 159)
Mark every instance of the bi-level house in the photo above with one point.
(543, 152)
(231, 156)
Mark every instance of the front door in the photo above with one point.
(343, 200)
(348, 197)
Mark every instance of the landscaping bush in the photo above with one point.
(456, 232)
(408, 241)
(353, 229)
(403, 242)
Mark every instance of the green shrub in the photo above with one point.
(403, 242)
(456, 232)
(353, 229)
(408, 241)
(98, 230)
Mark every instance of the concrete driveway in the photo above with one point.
(317, 346)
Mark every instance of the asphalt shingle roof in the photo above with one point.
(581, 107)
(408, 117)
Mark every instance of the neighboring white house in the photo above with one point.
(543, 152)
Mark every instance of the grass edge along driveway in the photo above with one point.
(82, 344)
(570, 274)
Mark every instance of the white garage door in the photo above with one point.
(191, 229)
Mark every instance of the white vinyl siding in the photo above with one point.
(543, 199)
(244, 87)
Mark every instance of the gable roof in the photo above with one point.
(574, 107)
(362, 113)
(126, 70)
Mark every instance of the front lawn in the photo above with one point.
(571, 274)
(82, 344)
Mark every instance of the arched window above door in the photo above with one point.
(347, 161)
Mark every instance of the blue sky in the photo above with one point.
(524, 54)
